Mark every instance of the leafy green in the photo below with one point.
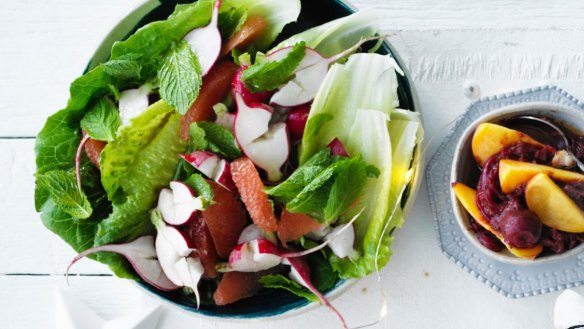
(348, 185)
(231, 21)
(268, 75)
(118, 157)
(124, 67)
(335, 36)
(149, 170)
(62, 188)
(180, 77)
(279, 281)
(102, 121)
(288, 189)
(200, 185)
(208, 136)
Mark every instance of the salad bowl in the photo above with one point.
(271, 302)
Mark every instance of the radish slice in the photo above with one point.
(178, 204)
(337, 148)
(300, 272)
(309, 75)
(223, 176)
(254, 256)
(78, 160)
(133, 102)
(203, 161)
(266, 146)
(190, 271)
(341, 242)
(205, 41)
(142, 256)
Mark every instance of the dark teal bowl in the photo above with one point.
(268, 302)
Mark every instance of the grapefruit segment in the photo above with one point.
(225, 219)
(239, 285)
(293, 226)
(251, 189)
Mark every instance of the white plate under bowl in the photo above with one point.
(511, 277)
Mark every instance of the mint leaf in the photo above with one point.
(220, 140)
(231, 21)
(62, 188)
(124, 67)
(269, 75)
(279, 281)
(348, 184)
(301, 177)
(200, 185)
(180, 77)
(197, 138)
(102, 121)
(313, 198)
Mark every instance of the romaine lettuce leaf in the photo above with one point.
(335, 36)
(363, 125)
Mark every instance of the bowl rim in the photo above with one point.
(462, 214)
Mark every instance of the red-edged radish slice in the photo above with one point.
(178, 204)
(341, 241)
(223, 176)
(237, 86)
(203, 161)
(271, 151)
(253, 232)
(296, 121)
(300, 272)
(142, 255)
(309, 75)
(254, 256)
(251, 121)
(205, 41)
(190, 271)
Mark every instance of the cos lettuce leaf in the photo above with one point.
(362, 125)
(335, 36)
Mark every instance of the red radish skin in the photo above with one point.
(203, 161)
(78, 161)
(216, 86)
(225, 219)
(205, 41)
(237, 86)
(142, 256)
(300, 272)
(296, 120)
(93, 150)
(223, 176)
(179, 204)
(251, 30)
(308, 75)
(337, 148)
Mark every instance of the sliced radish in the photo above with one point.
(142, 255)
(341, 241)
(253, 232)
(296, 120)
(203, 161)
(178, 204)
(205, 41)
(300, 272)
(254, 256)
(173, 250)
(225, 120)
(223, 176)
(237, 86)
(270, 151)
(337, 148)
(251, 121)
(309, 75)
(133, 102)
(78, 160)
(320, 233)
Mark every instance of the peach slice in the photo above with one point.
(553, 207)
(467, 197)
(514, 173)
(490, 139)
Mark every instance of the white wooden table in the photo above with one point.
(501, 44)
